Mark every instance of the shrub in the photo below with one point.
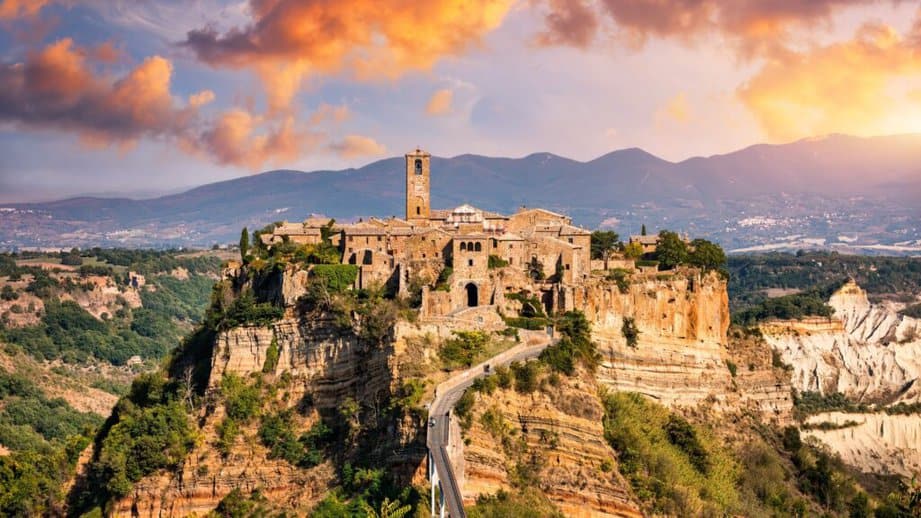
(732, 368)
(463, 349)
(630, 331)
(337, 277)
(271, 357)
(496, 262)
(241, 400)
(526, 376)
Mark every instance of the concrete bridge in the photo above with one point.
(446, 499)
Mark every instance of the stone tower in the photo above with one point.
(418, 182)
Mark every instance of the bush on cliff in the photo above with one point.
(574, 346)
(244, 311)
(149, 430)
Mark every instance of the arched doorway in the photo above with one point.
(473, 298)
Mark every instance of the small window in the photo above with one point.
(463, 246)
(570, 240)
(495, 243)
(418, 211)
(378, 239)
(477, 247)
(419, 166)
(469, 262)
(567, 266)
(423, 256)
(511, 260)
(351, 238)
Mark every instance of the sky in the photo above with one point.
(142, 97)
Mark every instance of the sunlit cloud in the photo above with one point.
(844, 87)
(287, 40)
(358, 146)
(440, 103)
(675, 109)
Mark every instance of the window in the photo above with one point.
(477, 247)
(570, 240)
(463, 246)
(378, 239)
(469, 262)
(495, 243)
(567, 266)
(351, 238)
(511, 260)
(418, 211)
(419, 166)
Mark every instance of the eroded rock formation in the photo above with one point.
(864, 351)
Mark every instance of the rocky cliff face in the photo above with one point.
(322, 367)
(556, 435)
(877, 443)
(867, 352)
(682, 318)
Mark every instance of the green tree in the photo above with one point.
(643, 230)
(389, 509)
(671, 250)
(706, 255)
(604, 242)
(244, 243)
(633, 251)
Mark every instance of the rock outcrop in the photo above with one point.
(558, 435)
(864, 351)
(878, 443)
(682, 318)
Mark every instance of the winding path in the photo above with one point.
(441, 473)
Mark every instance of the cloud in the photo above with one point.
(236, 139)
(12, 9)
(844, 87)
(288, 40)
(330, 113)
(569, 22)
(201, 98)
(676, 109)
(440, 103)
(56, 88)
(357, 146)
(755, 26)
(59, 89)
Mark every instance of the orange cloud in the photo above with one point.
(357, 146)
(236, 139)
(756, 26)
(676, 109)
(332, 113)
(291, 39)
(57, 89)
(12, 9)
(201, 98)
(440, 102)
(845, 87)
(569, 22)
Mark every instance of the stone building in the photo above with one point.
(466, 239)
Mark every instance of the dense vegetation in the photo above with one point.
(682, 469)
(149, 428)
(68, 332)
(45, 437)
(795, 306)
(750, 275)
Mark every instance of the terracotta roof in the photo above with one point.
(572, 230)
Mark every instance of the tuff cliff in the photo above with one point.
(682, 319)
(864, 351)
(553, 436)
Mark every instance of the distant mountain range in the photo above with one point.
(879, 177)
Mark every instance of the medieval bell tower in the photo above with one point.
(418, 185)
